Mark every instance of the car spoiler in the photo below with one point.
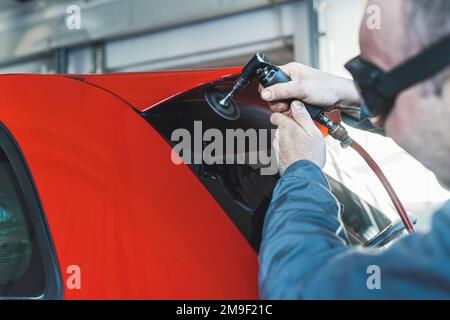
(146, 90)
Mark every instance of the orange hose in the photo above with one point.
(386, 184)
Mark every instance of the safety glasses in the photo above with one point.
(379, 90)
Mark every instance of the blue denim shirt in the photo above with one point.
(301, 256)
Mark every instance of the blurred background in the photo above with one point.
(101, 36)
(134, 35)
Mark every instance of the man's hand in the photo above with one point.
(297, 138)
(314, 87)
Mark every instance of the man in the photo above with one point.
(301, 256)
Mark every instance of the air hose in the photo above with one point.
(338, 132)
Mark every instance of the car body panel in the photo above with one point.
(149, 89)
(137, 225)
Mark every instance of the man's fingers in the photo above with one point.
(288, 68)
(302, 116)
(279, 119)
(279, 106)
(280, 91)
(288, 113)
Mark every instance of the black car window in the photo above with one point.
(25, 256)
(240, 189)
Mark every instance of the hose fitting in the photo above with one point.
(336, 130)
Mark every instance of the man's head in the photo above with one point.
(420, 119)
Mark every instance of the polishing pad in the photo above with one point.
(213, 97)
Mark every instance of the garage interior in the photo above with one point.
(140, 35)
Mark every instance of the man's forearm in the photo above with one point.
(301, 256)
(299, 233)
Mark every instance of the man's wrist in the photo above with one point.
(349, 102)
(298, 165)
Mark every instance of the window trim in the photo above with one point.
(53, 280)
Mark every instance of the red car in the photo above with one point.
(92, 207)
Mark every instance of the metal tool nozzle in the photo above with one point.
(226, 100)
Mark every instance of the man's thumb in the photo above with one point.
(301, 115)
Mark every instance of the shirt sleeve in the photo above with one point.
(302, 257)
(363, 122)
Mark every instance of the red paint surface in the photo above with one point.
(137, 225)
(146, 90)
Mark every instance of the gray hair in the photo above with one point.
(427, 22)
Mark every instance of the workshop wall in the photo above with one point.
(96, 36)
